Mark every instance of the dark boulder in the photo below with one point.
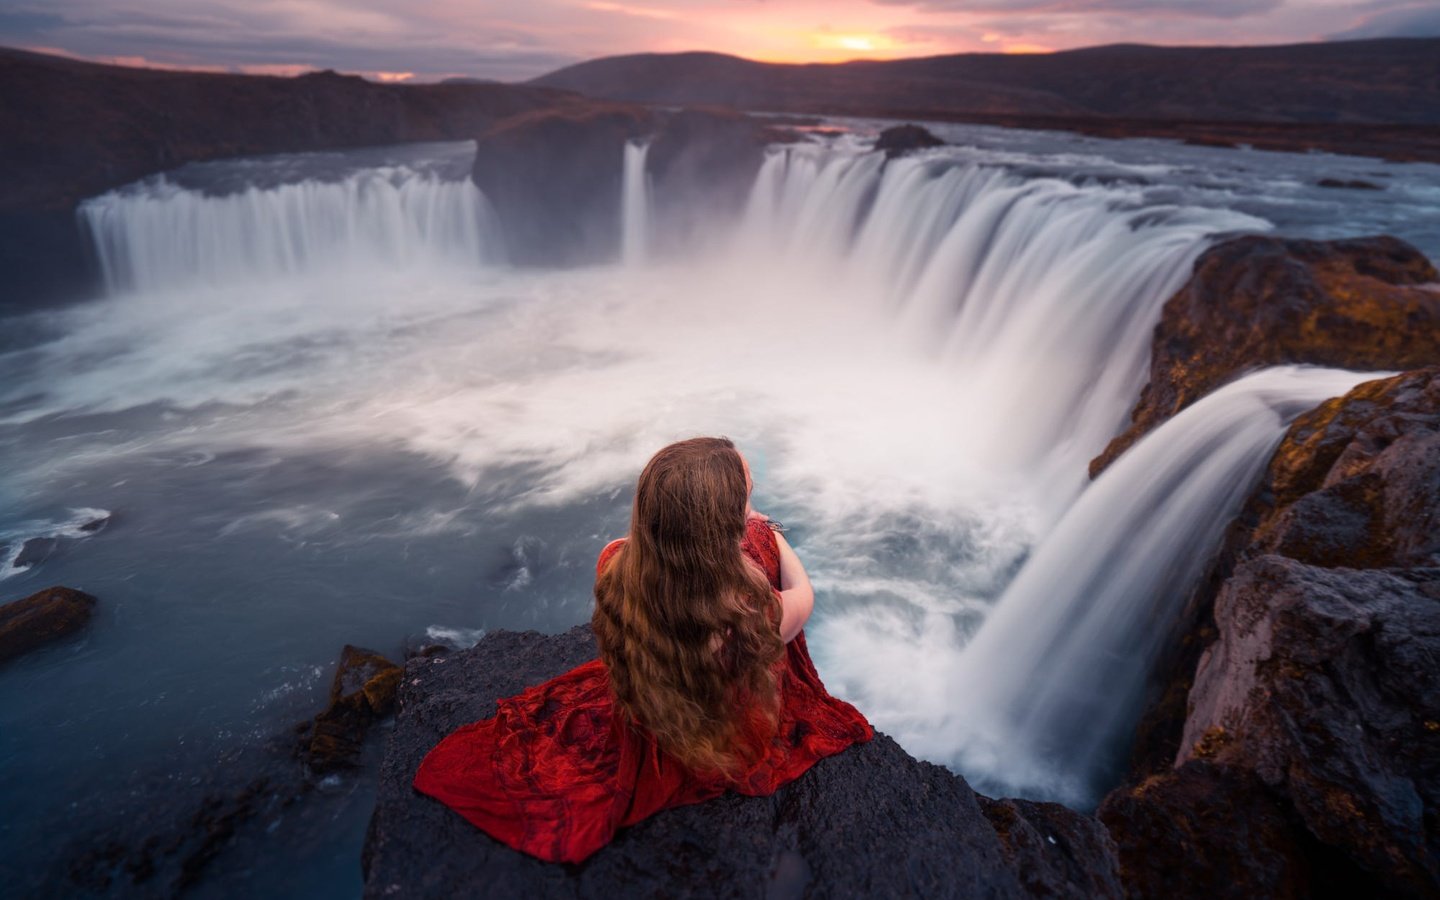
(42, 617)
(1354, 184)
(36, 550)
(899, 140)
(871, 821)
(362, 693)
(1367, 303)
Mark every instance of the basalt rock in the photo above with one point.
(1206, 831)
(1313, 710)
(1255, 301)
(899, 140)
(42, 617)
(1352, 184)
(870, 821)
(554, 176)
(362, 693)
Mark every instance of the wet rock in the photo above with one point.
(1354, 184)
(1322, 683)
(871, 821)
(1257, 301)
(1356, 482)
(34, 551)
(1206, 831)
(1313, 710)
(38, 549)
(42, 617)
(899, 140)
(1053, 849)
(362, 693)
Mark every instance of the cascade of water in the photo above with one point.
(1047, 691)
(635, 205)
(155, 235)
(1039, 294)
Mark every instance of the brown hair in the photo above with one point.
(686, 624)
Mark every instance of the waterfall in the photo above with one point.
(1039, 295)
(635, 205)
(1044, 698)
(156, 235)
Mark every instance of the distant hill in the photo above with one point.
(72, 128)
(1389, 81)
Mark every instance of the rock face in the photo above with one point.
(42, 617)
(1368, 303)
(871, 821)
(1313, 720)
(899, 140)
(554, 176)
(362, 693)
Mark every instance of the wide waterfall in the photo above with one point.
(1035, 294)
(323, 408)
(157, 235)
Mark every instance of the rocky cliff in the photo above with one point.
(871, 821)
(1255, 301)
(1293, 748)
(1309, 760)
(554, 175)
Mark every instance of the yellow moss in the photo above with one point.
(1211, 742)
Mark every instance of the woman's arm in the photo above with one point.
(797, 598)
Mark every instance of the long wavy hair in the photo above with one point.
(686, 624)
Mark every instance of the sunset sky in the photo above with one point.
(431, 39)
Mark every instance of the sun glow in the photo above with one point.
(1028, 48)
(853, 42)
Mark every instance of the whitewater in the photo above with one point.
(322, 409)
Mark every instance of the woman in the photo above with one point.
(703, 684)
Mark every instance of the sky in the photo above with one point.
(427, 40)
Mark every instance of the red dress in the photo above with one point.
(557, 772)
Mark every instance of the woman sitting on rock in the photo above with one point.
(703, 684)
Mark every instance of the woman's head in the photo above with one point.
(686, 625)
(690, 501)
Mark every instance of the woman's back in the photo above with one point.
(560, 767)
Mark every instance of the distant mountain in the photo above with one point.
(1394, 81)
